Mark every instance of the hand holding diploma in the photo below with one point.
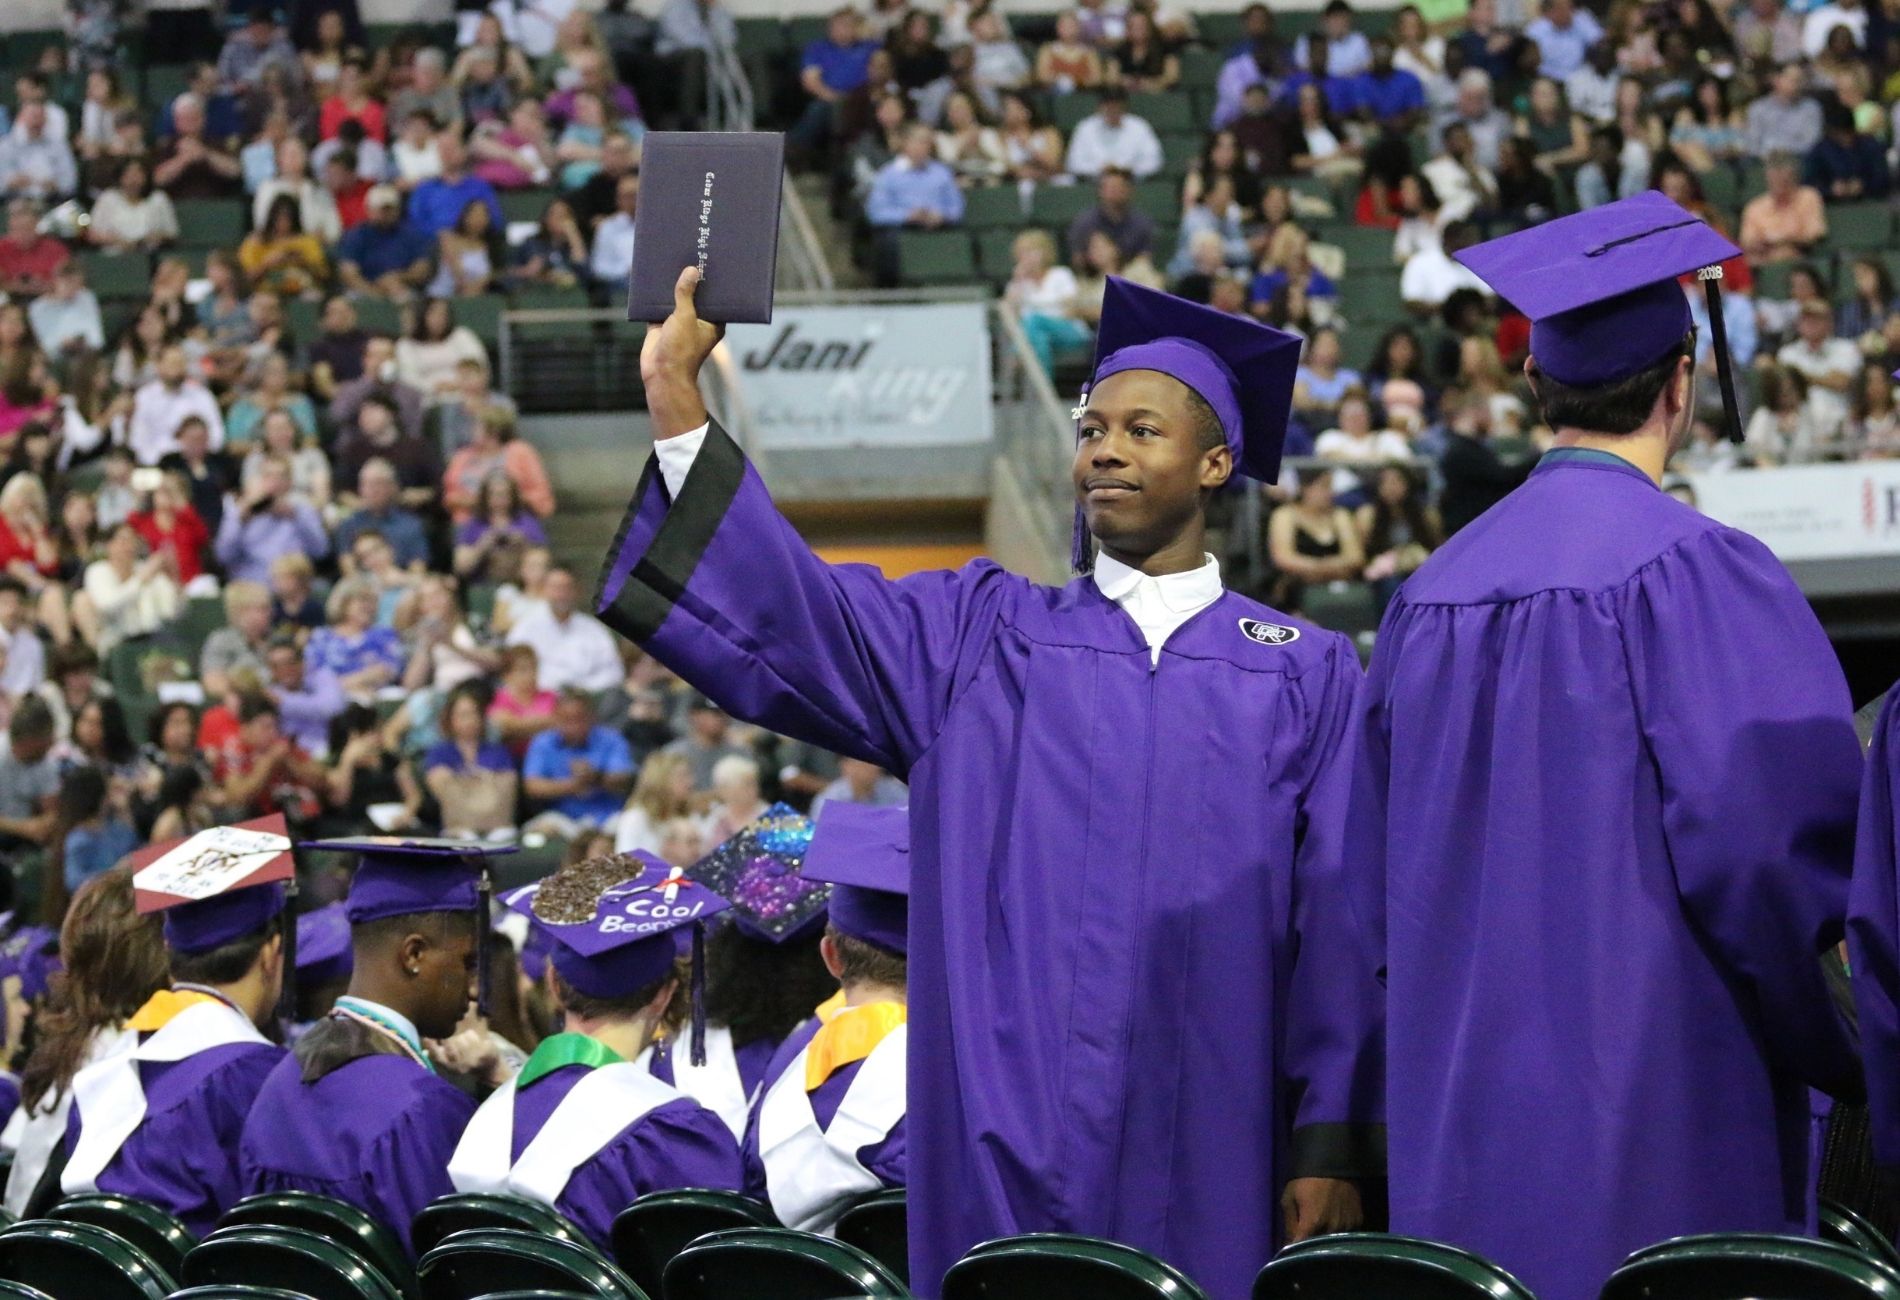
(671, 358)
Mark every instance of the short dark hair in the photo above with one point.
(32, 720)
(387, 931)
(255, 705)
(587, 1007)
(227, 963)
(1208, 433)
(1615, 408)
(10, 583)
(74, 657)
(860, 962)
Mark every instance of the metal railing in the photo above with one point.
(1035, 445)
(802, 265)
(728, 90)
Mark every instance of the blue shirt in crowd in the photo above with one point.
(402, 529)
(377, 250)
(901, 189)
(92, 851)
(437, 203)
(551, 758)
(843, 67)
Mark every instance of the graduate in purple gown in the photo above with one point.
(764, 974)
(1603, 814)
(1125, 799)
(357, 1111)
(829, 1128)
(323, 965)
(161, 1124)
(582, 1128)
(1873, 934)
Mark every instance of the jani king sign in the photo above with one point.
(913, 375)
(1811, 512)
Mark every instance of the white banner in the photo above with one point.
(1810, 512)
(886, 376)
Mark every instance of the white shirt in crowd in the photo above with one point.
(1431, 276)
(612, 258)
(1097, 146)
(1835, 356)
(157, 411)
(579, 652)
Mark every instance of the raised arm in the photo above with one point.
(716, 585)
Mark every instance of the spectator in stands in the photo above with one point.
(307, 701)
(1432, 274)
(1348, 53)
(258, 159)
(1608, 174)
(1785, 120)
(429, 91)
(1256, 66)
(1042, 292)
(1145, 62)
(252, 48)
(324, 41)
(1874, 427)
(1707, 132)
(459, 411)
(1323, 379)
(555, 256)
(28, 259)
(1322, 147)
(1525, 191)
(489, 545)
(689, 31)
(860, 782)
(23, 668)
(1782, 224)
(1821, 22)
(516, 154)
(127, 592)
(171, 527)
(1783, 428)
(572, 649)
(998, 63)
(521, 707)
(912, 191)
(280, 256)
(662, 793)
(384, 255)
(1487, 124)
(1767, 32)
(466, 254)
(66, 318)
(1114, 215)
(336, 355)
(162, 405)
(379, 380)
(1312, 539)
(437, 204)
(380, 510)
(1863, 316)
(241, 643)
(266, 521)
(34, 161)
(1111, 136)
(583, 770)
(263, 771)
(706, 742)
(1463, 186)
(428, 357)
(737, 802)
(1829, 364)
(279, 438)
(1286, 263)
(1068, 63)
(191, 165)
(495, 449)
(1389, 96)
(472, 778)
(831, 67)
(598, 199)
(611, 260)
(271, 392)
(594, 76)
(415, 155)
(1847, 164)
(1557, 136)
(485, 94)
(915, 56)
(1476, 477)
(131, 216)
(362, 654)
(316, 210)
(378, 435)
(1217, 213)
(1355, 441)
(968, 145)
(1563, 33)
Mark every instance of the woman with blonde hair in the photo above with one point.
(663, 791)
(495, 450)
(29, 551)
(363, 655)
(112, 959)
(1043, 292)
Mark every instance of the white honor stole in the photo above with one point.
(111, 1098)
(595, 1111)
(716, 1085)
(813, 1173)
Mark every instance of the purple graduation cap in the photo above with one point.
(864, 854)
(406, 876)
(323, 946)
(218, 885)
(1601, 290)
(759, 872)
(1242, 369)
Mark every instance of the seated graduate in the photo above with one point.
(764, 974)
(358, 1112)
(161, 1123)
(830, 1125)
(323, 965)
(582, 1128)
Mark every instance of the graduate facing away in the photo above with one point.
(1126, 797)
(1603, 814)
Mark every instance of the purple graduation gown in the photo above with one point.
(752, 1058)
(1602, 820)
(1873, 933)
(1115, 868)
(183, 1157)
(886, 1159)
(349, 1115)
(679, 1144)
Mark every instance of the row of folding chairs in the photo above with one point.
(709, 1245)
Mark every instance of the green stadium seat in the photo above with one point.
(1353, 1265)
(1161, 200)
(201, 616)
(1370, 299)
(550, 299)
(1846, 1227)
(25, 47)
(463, 1211)
(779, 1263)
(1057, 1265)
(232, 1291)
(121, 276)
(800, 32)
(21, 1291)
(1367, 248)
(292, 1259)
(1859, 225)
(991, 206)
(1200, 68)
(1348, 607)
(1068, 110)
(378, 315)
(1180, 150)
(1732, 1266)
(212, 223)
(78, 1260)
(1722, 187)
(1219, 32)
(482, 314)
(761, 36)
(648, 1233)
(302, 318)
(336, 1220)
(935, 257)
(158, 1233)
(1771, 280)
(877, 1225)
(163, 83)
(1057, 205)
(1170, 111)
(996, 255)
(526, 205)
(483, 1262)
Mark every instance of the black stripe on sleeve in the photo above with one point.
(1355, 1151)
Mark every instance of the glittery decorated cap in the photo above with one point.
(613, 919)
(760, 871)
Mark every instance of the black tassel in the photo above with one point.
(484, 919)
(1081, 545)
(287, 1003)
(698, 1056)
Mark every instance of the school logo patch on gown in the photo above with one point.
(1269, 633)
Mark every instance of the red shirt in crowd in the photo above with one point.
(30, 265)
(335, 113)
(14, 546)
(186, 539)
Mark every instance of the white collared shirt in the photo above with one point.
(1159, 605)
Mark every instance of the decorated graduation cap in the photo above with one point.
(760, 872)
(408, 876)
(863, 853)
(1601, 290)
(1242, 369)
(218, 885)
(614, 923)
